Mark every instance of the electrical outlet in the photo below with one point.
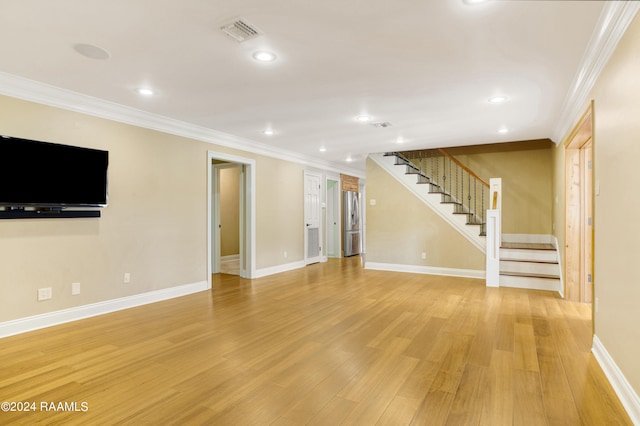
(75, 289)
(127, 278)
(424, 256)
(45, 293)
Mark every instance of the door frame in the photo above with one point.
(333, 194)
(579, 233)
(247, 211)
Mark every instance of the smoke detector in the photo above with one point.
(240, 30)
(381, 124)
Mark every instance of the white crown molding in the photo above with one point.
(612, 24)
(22, 88)
(628, 396)
(36, 322)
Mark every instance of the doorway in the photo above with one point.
(246, 183)
(333, 217)
(227, 209)
(579, 230)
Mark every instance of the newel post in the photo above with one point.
(494, 232)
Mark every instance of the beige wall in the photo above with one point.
(526, 169)
(155, 226)
(400, 227)
(230, 211)
(616, 98)
(280, 217)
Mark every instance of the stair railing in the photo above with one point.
(457, 184)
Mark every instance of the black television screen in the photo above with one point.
(50, 175)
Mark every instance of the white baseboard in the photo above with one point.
(429, 270)
(22, 325)
(278, 269)
(230, 258)
(621, 386)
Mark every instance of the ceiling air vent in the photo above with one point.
(240, 30)
(382, 124)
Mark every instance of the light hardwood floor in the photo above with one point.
(328, 344)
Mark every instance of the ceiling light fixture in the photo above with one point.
(498, 99)
(264, 56)
(322, 149)
(503, 130)
(474, 2)
(268, 132)
(399, 140)
(145, 91)
(349, 159)
(364, 118)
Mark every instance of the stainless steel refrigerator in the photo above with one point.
(351, 223)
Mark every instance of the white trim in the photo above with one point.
(627, 395)
(23, 325)
(493, 248)
(279, 268)
(30, 90)
(429, 270)
(612, 24)
(230, 258)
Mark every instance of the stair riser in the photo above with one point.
(530, 283)
(530, 268)
(531, 255)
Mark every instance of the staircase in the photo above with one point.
(431, 176)
(461, 198)
(529, 265)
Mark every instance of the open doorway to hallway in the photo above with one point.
(228, 207)
(231, 215)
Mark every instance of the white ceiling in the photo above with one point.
(426, 66)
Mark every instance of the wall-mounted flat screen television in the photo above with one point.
(50, 175)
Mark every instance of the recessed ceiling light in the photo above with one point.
(322, 149)
(503, 130)
(498, 99)
(472, 2)
(349, 159)
(264, 56)
(268, 132)
(399, 140)
(145, 91)
(364, 118)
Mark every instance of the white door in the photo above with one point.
(312, 217)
